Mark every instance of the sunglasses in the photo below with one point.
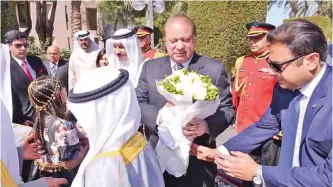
(277, 66)
(18, 46)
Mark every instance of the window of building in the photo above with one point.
(96, 41)
(91, 14)
(21, 11)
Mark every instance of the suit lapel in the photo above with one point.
(48, 68)
(165, 67)
(17, 73)
(317, 101)
(195, 65)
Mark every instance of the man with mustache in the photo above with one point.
(253, 89)
(83, 57)
(144, 35)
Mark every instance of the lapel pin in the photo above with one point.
(314, 106)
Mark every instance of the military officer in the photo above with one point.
(253, 90)
(254, 80)
(144, 35)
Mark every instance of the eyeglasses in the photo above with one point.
(277, 66)
(18, 46)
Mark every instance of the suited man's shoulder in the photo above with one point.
(155, 62)
(34, 58)
(63, 62)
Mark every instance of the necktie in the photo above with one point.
(53, 70)
(289, 131)
(177, 67)
(26, 70)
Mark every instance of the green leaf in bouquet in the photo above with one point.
(206, 79)
(185, 71)
(212, 93)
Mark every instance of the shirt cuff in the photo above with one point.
(259, 174)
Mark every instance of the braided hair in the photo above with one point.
(45, 95)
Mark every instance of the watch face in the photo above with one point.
(257, 180)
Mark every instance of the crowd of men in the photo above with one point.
(280, 101)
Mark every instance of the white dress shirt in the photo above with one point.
(306, 91)
(185, 64)
(32, 72)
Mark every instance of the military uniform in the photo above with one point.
(253, 89)
(254, 82)
(151, 53)
(148, 53)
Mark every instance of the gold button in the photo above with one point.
(247, 95)
(246, 108)
(249, 84)
(251, 73)
(255, 62)
(263, 77)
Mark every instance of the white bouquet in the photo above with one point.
(194, 96)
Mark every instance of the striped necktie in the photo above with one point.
(177, 67)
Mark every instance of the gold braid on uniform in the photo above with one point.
(145, 51)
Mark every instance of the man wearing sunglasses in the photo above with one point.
(301, 106)
(23, 69)
(253, 90)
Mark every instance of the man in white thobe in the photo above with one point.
(83, 58)
(105, 103)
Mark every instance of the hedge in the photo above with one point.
(221, 31)
(324, 22)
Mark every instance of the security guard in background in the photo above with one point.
(254, 80)
(144, 35)
(253, 90)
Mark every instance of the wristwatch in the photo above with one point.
(257, 179)
(257, 182)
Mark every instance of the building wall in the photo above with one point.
(62, 33)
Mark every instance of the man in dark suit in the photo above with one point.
(23, 69)
(55, 66)
(301, 107)
(180, 42)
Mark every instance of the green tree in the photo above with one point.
(9, 21)
(324, 22)
(171, 8)
(119, 13)
(297, 8)
(221, 31)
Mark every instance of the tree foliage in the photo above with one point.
(221, 31)
(324, 22)
(120, 14)
(8, 22)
